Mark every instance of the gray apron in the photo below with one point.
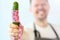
(38, 36)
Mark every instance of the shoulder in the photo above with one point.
(57, 28)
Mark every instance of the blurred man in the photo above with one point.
(40, 29)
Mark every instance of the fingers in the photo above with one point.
(13, 26)
(13, 30)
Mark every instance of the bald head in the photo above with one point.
(43, 0)
(39, 8)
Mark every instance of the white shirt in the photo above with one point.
(47, 32)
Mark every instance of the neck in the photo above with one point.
(42, 23)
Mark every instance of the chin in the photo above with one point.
(42, 18)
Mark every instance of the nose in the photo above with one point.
(40, 6)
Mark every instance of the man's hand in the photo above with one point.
(13, 31)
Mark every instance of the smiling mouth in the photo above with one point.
(41, 12)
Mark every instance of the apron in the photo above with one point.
(38, 36)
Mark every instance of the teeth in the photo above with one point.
(40, 11)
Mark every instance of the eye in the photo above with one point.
(36, 5)
(44, 4)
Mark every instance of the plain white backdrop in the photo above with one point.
(24, 14)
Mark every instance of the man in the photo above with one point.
(40, 29)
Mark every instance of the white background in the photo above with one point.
(25, 15)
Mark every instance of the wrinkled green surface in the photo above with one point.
(15, 5)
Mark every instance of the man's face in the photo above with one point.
(40, 9)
